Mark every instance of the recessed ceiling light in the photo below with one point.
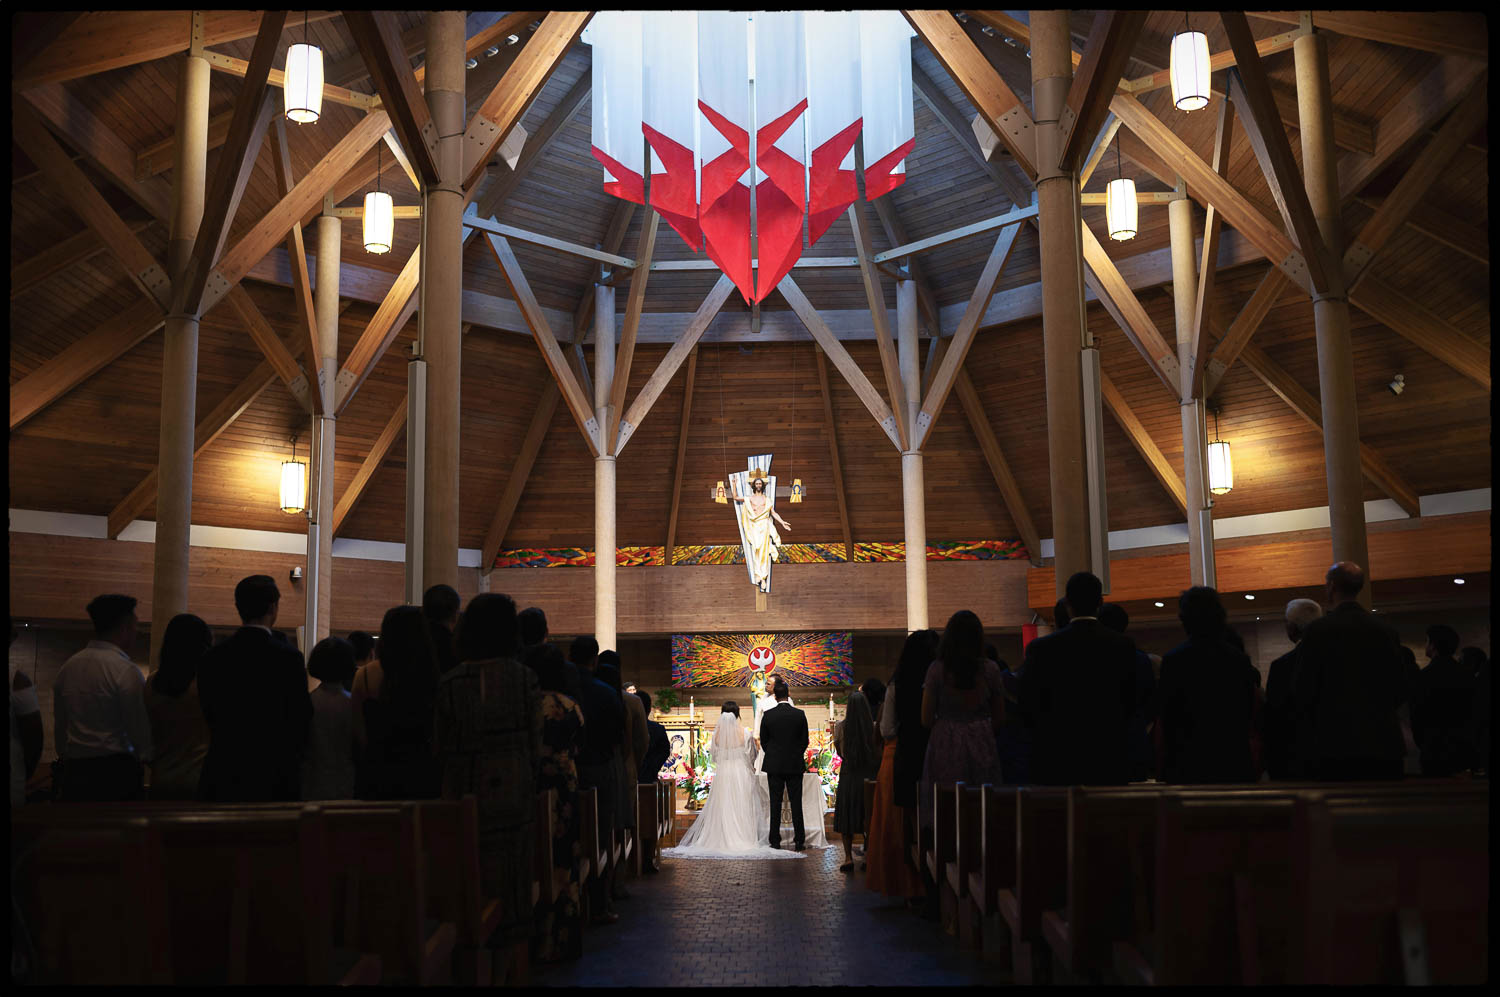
(1158, 605)
(1249, 596)
(471, 63)
(1458, 581)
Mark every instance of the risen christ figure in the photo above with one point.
(761, 539)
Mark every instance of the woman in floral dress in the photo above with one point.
(558, 933)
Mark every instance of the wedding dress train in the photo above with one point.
(731, 823)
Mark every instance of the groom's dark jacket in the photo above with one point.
(783, 737)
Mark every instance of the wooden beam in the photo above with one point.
(111, 39)
(1011, 28)
(303, 199)
(1423, 328)
(398, 306)
(1113, 36)
(625, 352)
(1430, 164)
(82, 359)
(682, 347)
(367, 468)
(473, 219)
(277, 78)
(1208, 263)
(1409, 120)
(520, 472)
(1096, 151)
(1104, 278)
(681, 464)
(210, 427)
(270, 345)
(1301, 401)
(1250, 89)
(885, 345)
(1251, 315)
(835, 464)
(520, 290)
(73, 187)
(31, 271)
(1446, 33)
(1144, 445)
(895, 234)
(963, 335)
(1001, 109)
(614, 237)
(1010, 217)
(379, 41)
(508, 180)
(1005, 481)
(1217, 63)
(1142, 198)
(502, 109)
(1213, 189)
(951, 119)
(1450, 230)
(296, 252)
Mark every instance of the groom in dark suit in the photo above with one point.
(783, 737)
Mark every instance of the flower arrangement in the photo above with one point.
(824, 762)
(697, 779)
(665, 700)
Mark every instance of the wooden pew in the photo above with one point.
(455, 887)
(966, 859)
(997, 864)
(593, 854)
(1111, 854)
(944, 841)
(920, 849)
(93, 904)
(1391, 891)
(377, 853)
(647, 824)
(1041, 876)
(543, 885)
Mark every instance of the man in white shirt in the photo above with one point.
(99, 708)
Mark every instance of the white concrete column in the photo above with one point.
(319, 577)
(913, 502)
(604, 552)
(1194, 435)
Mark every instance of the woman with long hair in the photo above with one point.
(396, 762)
(860, 761)
(887, 868)
(559, 925)
(963, 704)
(179, 734)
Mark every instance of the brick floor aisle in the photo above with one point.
(769, 924)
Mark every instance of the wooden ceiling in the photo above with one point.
(88, 450)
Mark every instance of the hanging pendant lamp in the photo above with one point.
(1190, 68)
(1220, 468)
(293, 483)
(302, 89)
(380, 214)
(1120, 209)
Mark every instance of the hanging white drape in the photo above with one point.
(833, 115)
(724, 142)
(885, 98)
(780, 70)
(669, 53)
(617, 94)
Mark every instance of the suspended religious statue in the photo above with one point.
(754, 494)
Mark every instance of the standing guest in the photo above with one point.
(1481, 721)
(440, 607)
(1411, 763)
(179, 733)
(253, 688)
(1442, 706)
(364, 653)
(25, 729)
(598, 767)
(533, 627)
(1078, 685)
(963, 704)
(559, 925)
(328, 773)
(887, 869)
(912, 735)
(633, 742)
(99, 710)
(658, 748)
(1279, 720)
(1347, 687)
(856, 742)
(488, 730)
(1013, 739)
(1207, 698)
(396, 760)
(874, 691)
(1142, 753)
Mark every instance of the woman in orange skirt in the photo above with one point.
(887, 869)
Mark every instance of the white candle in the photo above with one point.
(690, 707)
(830, 704)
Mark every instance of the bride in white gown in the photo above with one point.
(730, 825)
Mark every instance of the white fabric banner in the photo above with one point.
(723, 77)
(885, 97)
(780, 77)
(617, 90)
(833, 78)
(669, 49)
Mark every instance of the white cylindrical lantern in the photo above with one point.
(1190, 70)
(1220, 469)
(302, 90)
(293, 486)
(380, 222)
(1120, 209)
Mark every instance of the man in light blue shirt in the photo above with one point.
(103, 733)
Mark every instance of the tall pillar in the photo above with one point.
(1064, 331)
(604, 471)
(913, 490)
(1346, 507)
(319, 579)
(179, 372)
(442, 293)
(1194, 440)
